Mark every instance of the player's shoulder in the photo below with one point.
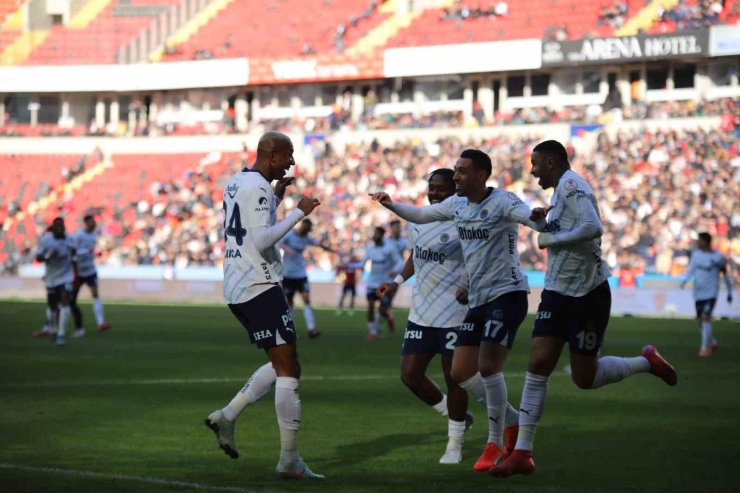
(507, 197)
(573, 184)
(455, 202)
(250, 180)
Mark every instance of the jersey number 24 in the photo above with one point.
(234, 226)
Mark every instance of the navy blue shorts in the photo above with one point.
(386, 301)
(54, 293)
(349, 290)
(496, 321)
(705, 307)
(428, 340)
(293, 286)
(267, 318)
(581, 321)
(91, 281)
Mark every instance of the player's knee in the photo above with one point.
(411, 379)
(460, 375)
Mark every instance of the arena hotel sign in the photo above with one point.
(627, 48)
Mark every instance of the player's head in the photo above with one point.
(57, 228)
(549, 162)
(305, 227)
(472, 170)
(395, 228)
(704, 241)
(89, 223)
(378, 235)
(274, 155)
(441, 185)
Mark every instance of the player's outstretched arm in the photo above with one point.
(265, 237)
(588, 229)
(412, 213)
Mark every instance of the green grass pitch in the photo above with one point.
(123, 412)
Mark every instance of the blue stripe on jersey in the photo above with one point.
(236, 284)
(452, 314)
(567, 255)
(493, 284)
(452, 245)
(431, 297)
(475, 277)
(580, 264)
(440, 227)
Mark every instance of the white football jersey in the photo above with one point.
(401, 244)
(488, 232)
(384, 261)
(705, 267)
(576, 269)
(85, 244)
(249, 201)
(59, 269)
(439, 271)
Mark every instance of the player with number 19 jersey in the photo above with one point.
(249, 201)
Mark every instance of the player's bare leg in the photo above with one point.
(284, 360)
(98, 309)
(352, 304)
(77, 314)
(459, 420)
(223, 422)
(413, 376)
(309, 316)
(372, 324)
(387, 316)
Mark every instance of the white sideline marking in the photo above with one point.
(166, 381)
(126, 477)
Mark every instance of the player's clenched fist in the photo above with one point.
(385, 289)
(308, 204)
(383, 198)
(539, 213)
(462, 296)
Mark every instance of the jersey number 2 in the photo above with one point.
(234, 227)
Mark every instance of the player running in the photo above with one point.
(85, 242)
(386, 263)
(56, 251)
(437, 260)
(705, 267)
(575, 306)
(295, 277)
(487, 221)
(252, 275)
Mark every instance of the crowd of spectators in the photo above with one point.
(613, 15)
(460, 12)
(695, 15)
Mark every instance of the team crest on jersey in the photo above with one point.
(497, 314)
(232, 189)
(570, 184)
(484, 213)
(444, 238)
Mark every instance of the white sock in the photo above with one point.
(98, 310)
(64, 313)
(257, 387)
(496, 397)
(530, 412)
(706, 334)
(372, 327)
(612, 369)
(441, 406)
(308, 315)
(456, 433)
(382, 320)
(512, 416)
(474, 385)
(288, 408)
(49, 319)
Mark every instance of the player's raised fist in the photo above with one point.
(386, 288)
(539, 213)
(282, 185)
(308, 204)
(383, 198)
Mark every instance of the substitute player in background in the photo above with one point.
(437, 260)
(252, 275)
(349, 287)
(295, 277)
(575, 306)
(85, 241)
(705, 266)
(56, 251)
(386, 263)
(487, 221)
